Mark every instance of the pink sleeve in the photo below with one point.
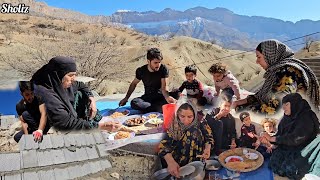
(234, 84)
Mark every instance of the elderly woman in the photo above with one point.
(70, 104)
(298, 127)
(186, 139)
(284, 74)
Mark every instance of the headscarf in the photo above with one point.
(177, 129)
(50, 76)
(278, 55)
(297, 104)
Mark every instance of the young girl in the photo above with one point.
(224, 80)
(186, 138)
(269, 126)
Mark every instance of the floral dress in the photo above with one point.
(289, 80)
(191, 144)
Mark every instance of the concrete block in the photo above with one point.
(95, 166)
(82, 154)
(90, 139)
(29, 159)
(69, 140)
(105, 164)
(102, 151)
(22, 143)
(98, 137)
(45, 158)
(80, 140)
(10, 162)
(30, 175)
(46, 142)
(12, 177)
(57, 141)
(74, 171)
(58, 156)
(92, 152)
(46, 175)
(29, 142)
(86, 168)
(70, 156)
(61, 173)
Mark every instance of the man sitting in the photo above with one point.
(154, 76)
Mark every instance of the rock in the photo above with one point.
(15, 127)
(115, 175)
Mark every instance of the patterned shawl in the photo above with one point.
(278, 55)
(177, 128)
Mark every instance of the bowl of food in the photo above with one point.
(233, 159)
(212, 165)
(117, 114)
(121, 135)
(152, 115)
(155, 121)
(251, 156)
(133, 120)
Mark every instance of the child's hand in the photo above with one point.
(256, 144)
(250, 134)
(216, 94)
(269, 149)
(206, 153)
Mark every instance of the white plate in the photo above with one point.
(146, 116)
(155, 121)
(252, 156)
(186, 170)
(229, 157)
(112, 135)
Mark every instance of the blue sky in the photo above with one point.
(288, 10)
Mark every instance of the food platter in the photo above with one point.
(246, 165)
(117, 114)
(155, 121)
(121, 135)
(152, 115)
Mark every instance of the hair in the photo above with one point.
(186, 106)
(191, 68)
(154, 53)
(26, 85)
(269, 120)
(259, 48)
(218, 68)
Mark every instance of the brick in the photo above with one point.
(80, 140)
(92, 152)
(82, 154)
(61, 173)
(86, 168)
(90, 139)
(70, 156)
(57, 141)
(74, 171)
(98, 137)
(29, 142)
(13, 177)
(10, 162)
(29, 159)
(47, 175)
(105, 164)
(45, 158)
(69, 140)
(58, 156)
(102, 151)
(95, 166)
(30, 175)
(46, 142)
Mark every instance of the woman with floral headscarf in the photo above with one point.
(284, 74)
(186, 139)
